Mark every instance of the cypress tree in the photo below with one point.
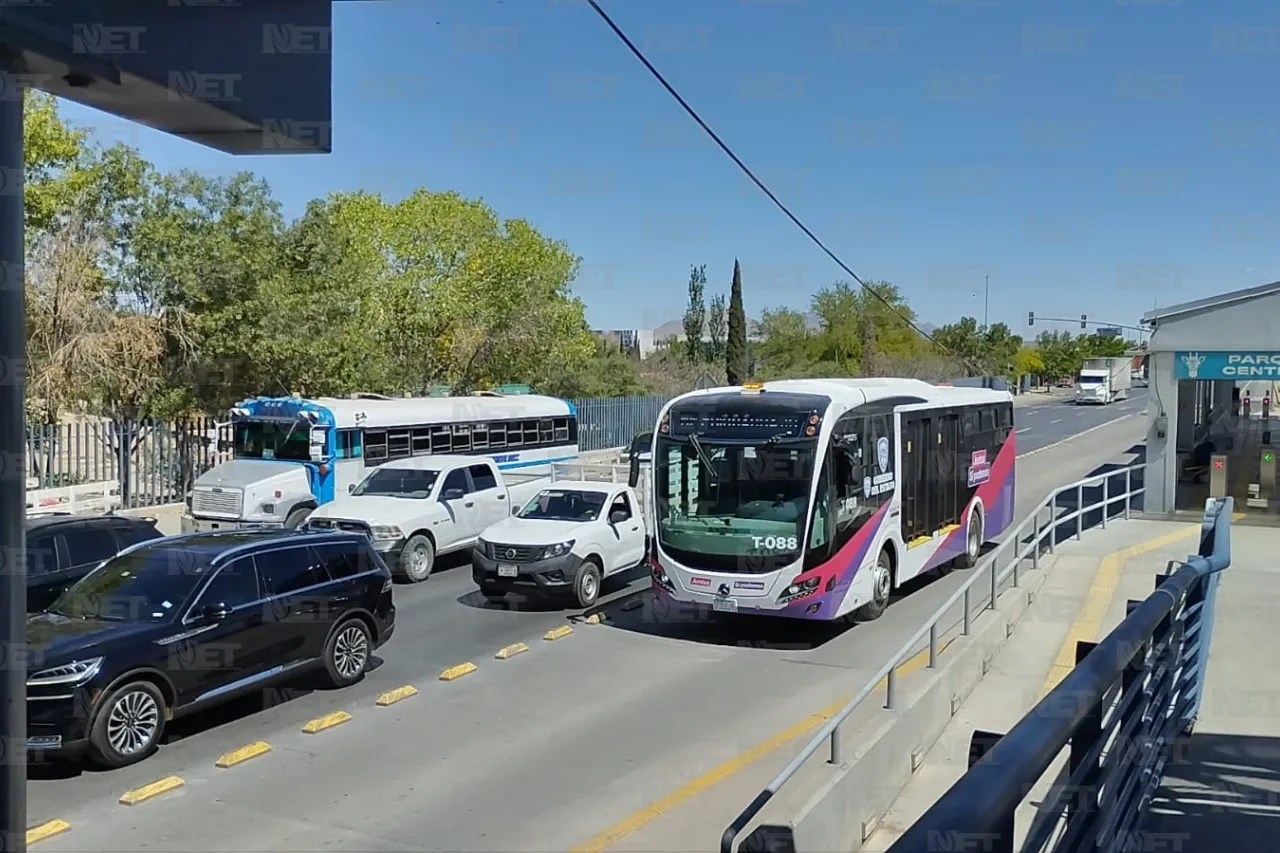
(735, 357)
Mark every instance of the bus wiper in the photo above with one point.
(704, 458)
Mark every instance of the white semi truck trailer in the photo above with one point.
(1104, 380)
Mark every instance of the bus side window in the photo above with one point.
(349, 444)
(375, 447)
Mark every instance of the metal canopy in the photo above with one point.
(240, 77)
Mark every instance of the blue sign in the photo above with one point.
(1226, 365)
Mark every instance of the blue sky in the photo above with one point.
(1091, 158)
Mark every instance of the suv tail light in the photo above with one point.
(387, 584)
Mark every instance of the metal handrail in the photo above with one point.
(930, 627)
(1119, 713)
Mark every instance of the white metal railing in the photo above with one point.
(102, 496)
(1014, 551)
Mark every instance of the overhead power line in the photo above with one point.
(759, 183)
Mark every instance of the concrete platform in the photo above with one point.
(1229, 778)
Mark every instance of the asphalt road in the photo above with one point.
(538, 752)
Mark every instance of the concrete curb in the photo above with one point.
(851, 800)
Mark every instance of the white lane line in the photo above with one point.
(1073, 437)
(1024, 429)
(1058, 421)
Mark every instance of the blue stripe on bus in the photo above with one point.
(534, 462)
(573, 410)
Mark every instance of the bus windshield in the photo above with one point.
(273, 440)
(747, 513)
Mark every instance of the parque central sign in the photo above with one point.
(1226, 365)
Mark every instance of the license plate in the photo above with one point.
(507, 571)
(725, 605)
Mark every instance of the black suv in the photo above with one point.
(61, 549)
(181, 623)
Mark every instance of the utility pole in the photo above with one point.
(986, 301)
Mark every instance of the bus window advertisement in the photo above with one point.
(979, 468)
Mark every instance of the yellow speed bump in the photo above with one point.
(455, 672)
(595, 619)
(243, 754)
(391, 697)
(557, 633)
(48, 829)
(511, 651)
(328, 721)
(155, 789)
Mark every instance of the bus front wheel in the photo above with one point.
(881, 588)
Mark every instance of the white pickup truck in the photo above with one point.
(568, 538)
(415, 509)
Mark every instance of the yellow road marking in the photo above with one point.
(688, 791)
(595, 619)
(557, 633)
(328, 721)
(457, 671)
(511, 651)
(155, 789)
(391, 697)
(1103, 589)
(48, 829)
(243, 754)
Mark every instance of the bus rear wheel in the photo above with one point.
(973, 539)
(881, 588)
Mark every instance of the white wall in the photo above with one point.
(1161, 470)
(1247, 325)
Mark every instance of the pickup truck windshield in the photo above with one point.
(398, 483)
(564, 505)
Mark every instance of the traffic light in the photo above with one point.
(1084, 321)
(1031, 318)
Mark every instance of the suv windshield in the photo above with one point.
(272, 440)
(564, 505)
(748, 514)
(149, 585)
(398, 483)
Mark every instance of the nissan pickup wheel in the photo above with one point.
(881, 588)
(417, 559)
(346, 655)
(586, 585)
(128, 725)
(973, 540)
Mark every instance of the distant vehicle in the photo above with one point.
(293, 455)
(563, 542)
(413, 510)
(1104, 380)
(61, 549)
(815, 498)
(180, 624)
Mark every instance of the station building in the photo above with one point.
(1213, 371)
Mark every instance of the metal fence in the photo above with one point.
(1119, 715)
(156, 462)
(1067, 512)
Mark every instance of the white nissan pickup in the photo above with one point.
(416, 509)
(569, 537)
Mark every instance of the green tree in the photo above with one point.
(695, 316)
(736, 339)
(716, 320)
(966, 342)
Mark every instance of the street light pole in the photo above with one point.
(986, 301)
(13, 565)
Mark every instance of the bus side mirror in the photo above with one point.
(633, 476)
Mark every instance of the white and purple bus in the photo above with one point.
(816, 498)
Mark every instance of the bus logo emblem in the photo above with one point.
(882, 454)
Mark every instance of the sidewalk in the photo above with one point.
(1084, 599)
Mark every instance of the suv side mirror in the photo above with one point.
(215, 612)
(618, 516)
(452, 495)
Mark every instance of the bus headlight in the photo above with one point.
(799, 590)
